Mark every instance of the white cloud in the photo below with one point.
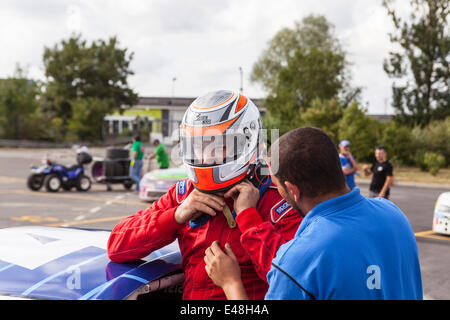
(202, 43)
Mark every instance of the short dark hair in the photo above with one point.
(381, 148)
(136, 137)
(309, 159)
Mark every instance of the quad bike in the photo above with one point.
(55, 176)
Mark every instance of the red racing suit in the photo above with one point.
(259, 233)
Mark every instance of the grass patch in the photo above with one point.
(411, 174)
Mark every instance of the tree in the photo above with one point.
(424, 56)
(360, 129)
(435, 137)
(311, 32)
(19, 107)
(397, 139)
(87, 118)
(300, 65)
(98, 72)
(325, 115)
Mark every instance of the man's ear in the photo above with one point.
(293, 191)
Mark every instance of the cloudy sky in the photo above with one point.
(201, 43)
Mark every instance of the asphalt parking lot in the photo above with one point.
(102, 209)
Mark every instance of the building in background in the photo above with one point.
(159, 116)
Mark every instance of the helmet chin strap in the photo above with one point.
(255, 177)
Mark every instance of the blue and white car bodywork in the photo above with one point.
(66, 263)
(441, 219)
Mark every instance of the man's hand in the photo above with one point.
(196, 204)
(244, 194)
(223, 269)
(366, 170)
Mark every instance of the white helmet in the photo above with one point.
(221, 140)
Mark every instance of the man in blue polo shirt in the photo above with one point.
(348, 163)
(347, 246)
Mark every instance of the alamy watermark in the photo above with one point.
(374, 280)
(74, 279)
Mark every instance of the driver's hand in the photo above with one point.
(197, 204)
(244, 194)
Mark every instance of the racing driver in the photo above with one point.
(226, 198)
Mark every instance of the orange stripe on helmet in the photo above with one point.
(210, 130)
(241, 103)
(195, 107)
(206, 181)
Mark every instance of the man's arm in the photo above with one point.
(262, 239)
(283, 287)
(387, 184)
(138, 235)
(134, 151)
(354, 167)
(223, 269)
(157, 152)
(389, 180)
(354, 163)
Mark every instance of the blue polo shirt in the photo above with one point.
(349, 247)
(349, 178)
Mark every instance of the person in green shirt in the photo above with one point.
(160, 154)
(137, 153)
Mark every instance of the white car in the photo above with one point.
(157, 182)
(441, 219)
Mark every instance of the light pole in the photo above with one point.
(173, 86)
(242, 79)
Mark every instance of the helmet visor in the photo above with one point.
(211, 150)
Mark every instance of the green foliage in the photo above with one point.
(87, 118)
(433, 138)
(305, 73)
(422, 64)
(311, 32)
(325, 115)
(144, 133)
(310, 74)
(419, 160)
(433, 162)
(398, 142)
(126, 133)
(360, 130)
(96, 72)
(20, 116)
(303, 68)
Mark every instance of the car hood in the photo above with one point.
(177, 173)
(69, 263)
(444, 198)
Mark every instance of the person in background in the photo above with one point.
(137, 153)
(160, 154)
(383, 176)
(348, 247)
(348, 163)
